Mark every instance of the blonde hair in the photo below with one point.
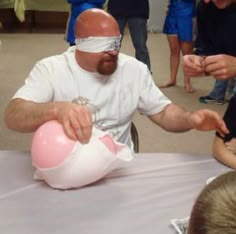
(214, 211)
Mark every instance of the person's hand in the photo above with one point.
(206, 120)
(76, 121)
(193, 65)
(231, 145)
(220, 66)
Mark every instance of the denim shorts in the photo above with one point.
(182, 26)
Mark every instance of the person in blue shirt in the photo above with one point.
(78, 6)
(179, 27)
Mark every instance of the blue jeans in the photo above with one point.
(220, 88)
(138, 32)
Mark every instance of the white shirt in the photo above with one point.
(112, 99)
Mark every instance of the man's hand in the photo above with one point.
(205, 120)
(76, 121)
(220, 66)
(193, 65)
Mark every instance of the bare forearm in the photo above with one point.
(27, 116)
(173, 118)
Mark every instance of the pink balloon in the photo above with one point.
(50, 146)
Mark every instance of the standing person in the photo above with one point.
(222, 67)
(78, 6)
(135, 14)
(93, 84)
(178, 27)
(215, 36)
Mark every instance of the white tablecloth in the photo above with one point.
(138, 199)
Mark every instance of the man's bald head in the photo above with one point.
(95, 22)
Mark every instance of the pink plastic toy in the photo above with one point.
(50, 146)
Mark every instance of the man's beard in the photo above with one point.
(107, 65)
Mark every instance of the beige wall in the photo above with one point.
(157, 15)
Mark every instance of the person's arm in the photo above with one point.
(175, 119)
(222, 154)
(27, 116)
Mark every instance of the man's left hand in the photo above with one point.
(205, 120)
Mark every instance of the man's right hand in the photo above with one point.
(76, 121)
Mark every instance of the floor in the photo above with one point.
(19, 52)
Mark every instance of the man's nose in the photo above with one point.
(113, 52)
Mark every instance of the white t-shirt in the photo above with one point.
(112, 99)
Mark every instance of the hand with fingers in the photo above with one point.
(193, 65)
(76, 121)
(220, 66)
(206, 120)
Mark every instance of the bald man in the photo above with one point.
(92, 84)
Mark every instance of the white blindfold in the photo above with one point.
(98, 44)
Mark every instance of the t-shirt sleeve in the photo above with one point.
(37, 87)
(152, 100)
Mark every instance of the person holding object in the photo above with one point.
(222, 67)
(92, 84)
(215, 47)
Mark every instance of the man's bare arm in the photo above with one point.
(27, 116)
(175, 119)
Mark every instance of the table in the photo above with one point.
(155, 22)
(140, 198)
(7, 3)
(20, 6)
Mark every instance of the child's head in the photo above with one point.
(214, 211)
